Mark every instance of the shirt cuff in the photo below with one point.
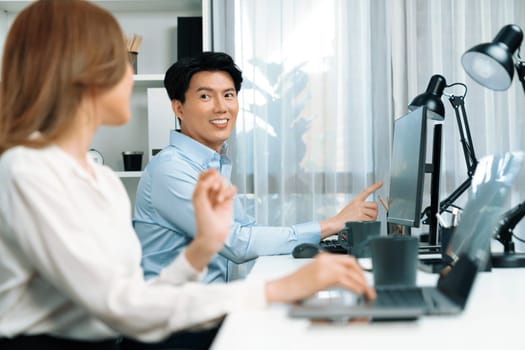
(308, 232)
(180, 271)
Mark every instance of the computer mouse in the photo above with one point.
(305, 250)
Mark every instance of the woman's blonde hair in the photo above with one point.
(55, 51)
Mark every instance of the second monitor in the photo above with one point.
(407, 177)
(407, 169)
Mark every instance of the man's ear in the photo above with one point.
(176, 106)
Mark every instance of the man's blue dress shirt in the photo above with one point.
(165, 222)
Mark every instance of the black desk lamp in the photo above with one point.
(492, 65)
(431, 98)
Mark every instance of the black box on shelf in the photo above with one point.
(189, 36)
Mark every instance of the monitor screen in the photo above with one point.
(407, 169)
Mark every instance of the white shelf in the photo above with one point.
(149, 80)
(129, 173)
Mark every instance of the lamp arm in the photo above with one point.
(508, 221)
(447, 202)
(520, 69)
(468, 144)
(458, 103)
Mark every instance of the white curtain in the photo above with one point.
(325, 79)
(315, 107)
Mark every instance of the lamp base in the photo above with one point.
(508, 260)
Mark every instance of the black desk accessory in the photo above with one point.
(305, 251)
(504, 234)
(492, 65)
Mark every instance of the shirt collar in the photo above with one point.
(196, 150)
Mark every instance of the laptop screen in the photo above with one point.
(470, 243)
(489, 191)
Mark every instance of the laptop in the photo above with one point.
(469, 248)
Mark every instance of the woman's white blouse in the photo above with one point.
(70, 260)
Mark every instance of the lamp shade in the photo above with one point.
(431, 98)
(492, 64)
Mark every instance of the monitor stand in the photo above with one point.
(429, 242)
(425, 247)
(431, 259)
(434, 169)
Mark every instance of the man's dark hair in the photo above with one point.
(178, 76)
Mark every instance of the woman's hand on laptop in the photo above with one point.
(359, 209)
(325, 271)
(213, 203)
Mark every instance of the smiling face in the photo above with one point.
(210, 109)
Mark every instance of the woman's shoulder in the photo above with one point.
(21, 157)
(35, 162)
(18, 163)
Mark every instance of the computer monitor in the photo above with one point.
(407, 171)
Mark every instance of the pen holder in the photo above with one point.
(132, 56)
(447, 251)
(445, 234)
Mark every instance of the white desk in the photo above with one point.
(493, 319)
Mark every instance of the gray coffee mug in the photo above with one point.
(358, 235)
(394, 260)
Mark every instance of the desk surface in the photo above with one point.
(493, 319)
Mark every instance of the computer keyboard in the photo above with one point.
(408, 297)
(333, 246)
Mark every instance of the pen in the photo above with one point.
(455, 217)
(441, 221)
(382, 201)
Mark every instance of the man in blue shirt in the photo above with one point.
(203, 91)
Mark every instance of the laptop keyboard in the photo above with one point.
(332, 297)
(402, 297)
